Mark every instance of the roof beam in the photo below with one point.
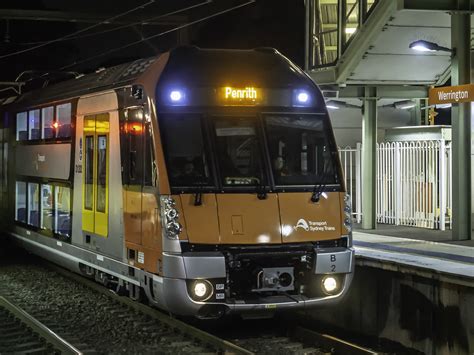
(383, 91)
(77, 17)
(437, 5)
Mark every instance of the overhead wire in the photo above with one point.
(77, 32)
(98, 33)
(157, 35)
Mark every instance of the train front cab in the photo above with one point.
(257, 218)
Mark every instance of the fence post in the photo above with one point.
(358, 183)
(442, 185)
(397, 184)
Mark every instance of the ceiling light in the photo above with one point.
(404, 105)
(350, 30)
(426, 46)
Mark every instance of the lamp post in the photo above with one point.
(460, 122)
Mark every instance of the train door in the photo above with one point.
(96, 174)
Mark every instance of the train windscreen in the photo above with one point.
(300, 150)
(228, 152)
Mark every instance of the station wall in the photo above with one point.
(347, 123)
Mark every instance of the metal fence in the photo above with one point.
(413, 183)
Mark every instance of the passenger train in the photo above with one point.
(207, 181)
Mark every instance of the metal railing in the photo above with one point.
(413, 183)
(330, 25)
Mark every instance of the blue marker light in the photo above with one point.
(303, 97)
(176, 96)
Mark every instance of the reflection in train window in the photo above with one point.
(238, 152)
(34, 124)
(33, 204)
(47, 128)
(20, 200)
(62, 211)
(63, 116)
(21, 126)
(47, 207)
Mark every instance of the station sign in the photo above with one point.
(451, 94)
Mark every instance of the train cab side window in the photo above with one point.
(20, 201)
(150, 172)
(47, 130)
(34, 124)
(135, 138)
(63, 119)
(47, 207)
(21, 126)
(33, 204)
(62, 210)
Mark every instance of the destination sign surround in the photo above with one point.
(451, 94)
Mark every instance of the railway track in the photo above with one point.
(21, 333)
(96, 320)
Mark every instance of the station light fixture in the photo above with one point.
(426, 46)
(350, 30)
(335, 104)
(404, 105)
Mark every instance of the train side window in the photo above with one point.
(63, 118)
(135, 134)
(21, 126)
(33, 204)
(20, 201)
(47, 130)
(34, 124)
(149, 171)
(62, 210)
(47, 207)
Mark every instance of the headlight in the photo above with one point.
(330, 285)
(201, 290)
(170, 216)
(348, 212)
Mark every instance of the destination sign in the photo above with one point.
(451, 94)
(241, 96)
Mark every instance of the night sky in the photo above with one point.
(264, 23)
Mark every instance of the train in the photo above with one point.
(207, 181)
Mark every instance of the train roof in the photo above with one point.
(187, 66)
(101, 79)
(264, 67)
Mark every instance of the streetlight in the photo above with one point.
(426, 46)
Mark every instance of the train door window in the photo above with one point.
(33, 204)
(20, 201)
(101, 172)
(63, 119)
(62, 210)
(21, 126)
(47, 207)
(34, 124)
(47, 130)
(186, 156)
(238, 153)
(89, 173)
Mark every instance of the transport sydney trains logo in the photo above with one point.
(313, 226)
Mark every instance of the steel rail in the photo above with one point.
(222, 345)
(335, 345)
(44, 332)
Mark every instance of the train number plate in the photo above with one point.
(335, 262)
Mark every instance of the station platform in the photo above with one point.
(433, 259)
